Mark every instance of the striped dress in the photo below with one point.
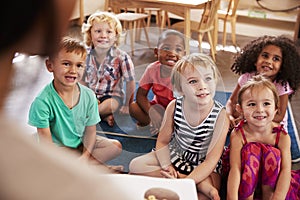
(189, 144)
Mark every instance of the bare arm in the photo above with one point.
(206, 168)
(166, 129)
(89, 140)
(284, 178)
(153, 111)
(234, 176)
(142, 99)
(164, 137)
(283, 100)
(130, 87)
(45, 135)
(231, 104)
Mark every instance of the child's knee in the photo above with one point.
(134, 165)
(117, 144)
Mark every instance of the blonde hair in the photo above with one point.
(98, 17)
(258, 81)
(194, 61)
(70, 44)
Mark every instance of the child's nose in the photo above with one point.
(260, 108)
(73, 68)
(103, 34)
(201, 85)
(269, 60)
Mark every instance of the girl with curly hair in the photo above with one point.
(276, 58)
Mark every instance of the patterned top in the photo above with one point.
(107, 78)
(189, 144)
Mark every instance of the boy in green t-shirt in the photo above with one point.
(66, 112)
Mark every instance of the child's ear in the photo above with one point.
(49, 65)
(238, 108)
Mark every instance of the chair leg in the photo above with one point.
(200, 38)
(146, 33)
(224, 33)
(149, 18)
(212, 48)
(158, 18)
(233, 38)
(168, 19)
(132, 36)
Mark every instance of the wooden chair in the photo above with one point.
(159, 13)
(131, 22)
(206, 24)
(229, 15)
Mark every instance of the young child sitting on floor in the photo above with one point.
(66, 112)
(107, 65)
(260, 156)
(192, 136)
(170, 48)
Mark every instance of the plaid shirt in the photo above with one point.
(107, 78)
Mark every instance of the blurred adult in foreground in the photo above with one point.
(28, 170)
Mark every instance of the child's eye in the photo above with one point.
(267, 103)
(264, 55)
(276, 58)
(208, 78)
(165, 48)
(251, 104)
(179, 50)
(66, 64)
(80, 66)
(192, 81)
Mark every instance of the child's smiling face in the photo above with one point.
(67, 68)
(199, 83)
(170, 50)
(103, 35)
(258, 106)
(269, 61)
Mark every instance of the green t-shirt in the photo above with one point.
(66, 125)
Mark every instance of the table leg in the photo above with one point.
(81, 12)
(187, 28)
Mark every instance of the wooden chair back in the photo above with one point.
(209, 15)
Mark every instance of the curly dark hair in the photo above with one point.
(290, 68)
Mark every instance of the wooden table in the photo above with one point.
(179, 7)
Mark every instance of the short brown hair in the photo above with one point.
(70, 45)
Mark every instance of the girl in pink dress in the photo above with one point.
(260, 157)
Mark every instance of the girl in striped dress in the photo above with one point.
(192, 136)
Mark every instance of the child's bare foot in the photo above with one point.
(110, 120)
(214, 194)
(116, 168)
(153, 130)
